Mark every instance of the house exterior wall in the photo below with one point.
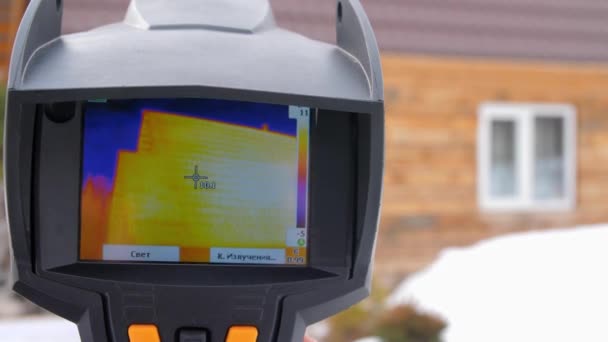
(4, 32)
(10, 16)
(522, 29)
(558, 30)
(430, 196)
(5, 9)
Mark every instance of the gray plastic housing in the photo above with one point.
(221, 49)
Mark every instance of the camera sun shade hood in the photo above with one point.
(224, 49)
(196, 53)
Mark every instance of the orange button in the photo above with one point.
(242, 334)
(143, 333)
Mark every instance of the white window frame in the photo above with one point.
(523, 116)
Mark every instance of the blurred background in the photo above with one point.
(496, 186)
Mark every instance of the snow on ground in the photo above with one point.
(39, 329)
(530, 287)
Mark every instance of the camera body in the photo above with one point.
(191, 53)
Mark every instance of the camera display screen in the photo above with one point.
(194, 181)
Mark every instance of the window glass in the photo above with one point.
(549, 175)
(503, 174)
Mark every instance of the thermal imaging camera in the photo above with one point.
(194, 173)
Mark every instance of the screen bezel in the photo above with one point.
(325, 261)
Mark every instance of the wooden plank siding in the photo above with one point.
(5, 12)
(430, 196)
(10, 16)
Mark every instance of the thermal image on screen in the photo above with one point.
(195, 181)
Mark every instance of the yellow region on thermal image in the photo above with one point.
(255, 177)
